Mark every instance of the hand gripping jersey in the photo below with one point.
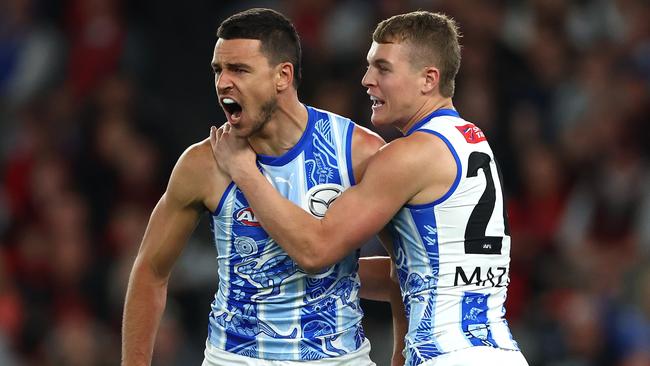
(266, 306)
(453, 255)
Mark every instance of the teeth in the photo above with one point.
(228, 101)
(376, 102)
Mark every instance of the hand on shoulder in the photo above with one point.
(233, 153)
(196, 177)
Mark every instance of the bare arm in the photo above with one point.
(389, 181)
(382, 284)
(168, 229)
(377, 284)
(171, 223)
(400, 321)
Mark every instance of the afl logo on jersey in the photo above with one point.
(320, 197)
(245, 216)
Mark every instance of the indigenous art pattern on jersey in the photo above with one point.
(266, 306)
(452, 255)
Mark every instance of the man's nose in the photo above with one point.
(224, 83)
(367, 79)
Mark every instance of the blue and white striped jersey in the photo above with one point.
(453, 255)
(266, 306)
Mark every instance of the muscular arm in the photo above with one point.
(389, 181)
(171, 223)
(415, 169)
(375, 272)
(168, 229)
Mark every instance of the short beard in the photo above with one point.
(267, 111)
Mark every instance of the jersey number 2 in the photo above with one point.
(476, 242)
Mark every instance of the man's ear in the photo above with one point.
(284, 76)
(431, 79)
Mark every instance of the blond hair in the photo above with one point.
(434, 41)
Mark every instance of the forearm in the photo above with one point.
(374, 273)
(400, 324)
(143, 308)
(377, 284)
(295, 230)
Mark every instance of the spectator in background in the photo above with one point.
(592, 115)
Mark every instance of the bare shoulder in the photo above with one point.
(196, 178)
(365, 143)
(432, 149)
(400, 156)
(420, 167)
(197, 156)
(415, 149)
(366, 140)
(429, 161)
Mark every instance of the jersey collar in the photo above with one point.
(297, 148)
(434, 114)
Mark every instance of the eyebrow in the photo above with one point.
(230, 66)
(381, 62)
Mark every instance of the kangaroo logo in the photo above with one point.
(320, 197)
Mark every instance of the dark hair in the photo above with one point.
(434, 40)
(280, 41)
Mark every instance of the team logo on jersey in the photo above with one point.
(471, 133)
(320, 197)
(245, 216)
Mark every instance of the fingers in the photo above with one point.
(217, 134)
(221, 131)
(213, 136)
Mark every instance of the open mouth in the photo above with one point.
(376, 102)
(231, 107)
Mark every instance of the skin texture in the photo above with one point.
(271, 122)
(401, 172)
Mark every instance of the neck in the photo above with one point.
(429, 106)
(283, 130)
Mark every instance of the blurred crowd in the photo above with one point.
(98, 98)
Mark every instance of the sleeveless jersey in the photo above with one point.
(266, 306)
(452, 255)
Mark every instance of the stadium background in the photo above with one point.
(99, 97)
